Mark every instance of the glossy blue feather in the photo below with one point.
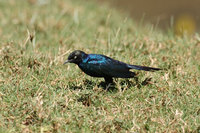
(97, 65)
(101, 66)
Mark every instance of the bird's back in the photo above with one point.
(102, 66)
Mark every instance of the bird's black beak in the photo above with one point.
(67, 61)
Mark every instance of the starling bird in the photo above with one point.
(97, 65)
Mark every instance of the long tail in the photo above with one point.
(143, 68)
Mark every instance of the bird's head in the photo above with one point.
(75, 57)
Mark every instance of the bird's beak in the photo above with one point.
(67, 61)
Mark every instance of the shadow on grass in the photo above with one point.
(111, 87)
(88, 99)
(85, 99)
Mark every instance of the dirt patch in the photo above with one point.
(160, 12)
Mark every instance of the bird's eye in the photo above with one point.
(75, 57)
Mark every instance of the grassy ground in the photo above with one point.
(39, 94)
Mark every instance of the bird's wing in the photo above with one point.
(109, 67)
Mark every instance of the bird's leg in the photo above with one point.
(108, 80)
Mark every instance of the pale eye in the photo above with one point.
(75, 57)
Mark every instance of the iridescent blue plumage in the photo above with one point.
(97, 65)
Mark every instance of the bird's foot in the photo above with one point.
(107, 85)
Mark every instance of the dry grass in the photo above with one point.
(39, 94)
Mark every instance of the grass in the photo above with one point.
(40, 94)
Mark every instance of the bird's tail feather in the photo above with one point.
(143, 68)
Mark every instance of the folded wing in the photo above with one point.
(102, 66)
